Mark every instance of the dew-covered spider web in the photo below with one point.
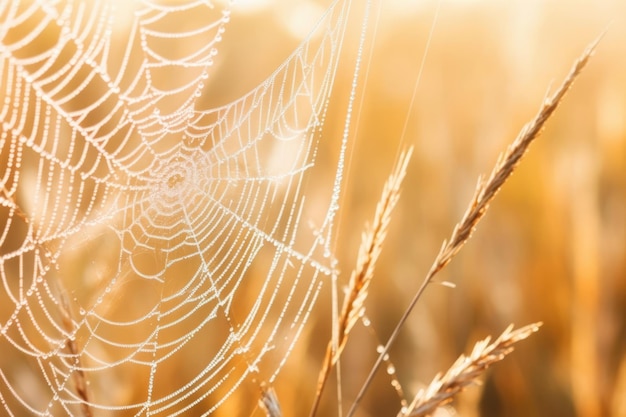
(155, 256)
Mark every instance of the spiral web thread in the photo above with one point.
(138, 229)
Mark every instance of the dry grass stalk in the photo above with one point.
(465, 371)
(371, 245)
(8, 200)
(506, 163)
(269, 402)
(485, 191)
(80, 380)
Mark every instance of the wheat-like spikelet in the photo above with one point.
(371, 245)
(485, 191)
(466, 371)
(506, 163)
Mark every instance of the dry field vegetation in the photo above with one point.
(551, 249)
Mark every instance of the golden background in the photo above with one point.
(552, 247)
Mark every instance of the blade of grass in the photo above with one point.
(465, 371)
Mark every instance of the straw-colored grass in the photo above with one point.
(78, 376)
(465, 371)
(485, 192)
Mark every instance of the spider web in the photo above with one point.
(139, 229)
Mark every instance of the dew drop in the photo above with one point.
(366, 322)
(391, 369)
(81, 311)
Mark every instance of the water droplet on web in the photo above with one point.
(366, 322)
(81, 311)
(29, 293)
(391, 369)
(381, 349)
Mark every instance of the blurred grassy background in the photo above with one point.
(552, 247)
